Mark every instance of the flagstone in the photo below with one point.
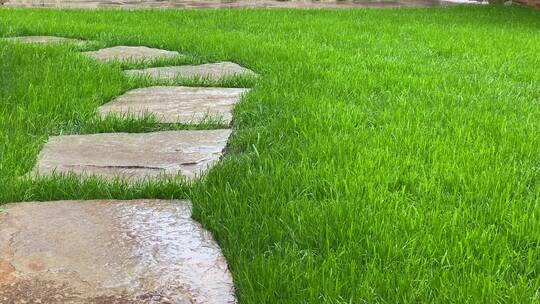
(212, 71)
(43, 39)
(108, 251)
(176, 104)
(136, 53)
(134, 156)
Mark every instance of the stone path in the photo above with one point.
(137, 251)
(212, 71)
(105, 251)
(43, 39)
(176, 104)
(133, 156)
(124, 53)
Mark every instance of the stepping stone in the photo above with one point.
(107, 251)
(176, 104)
(125, 53)
(212, 71)
(132, 156)
(43, 39)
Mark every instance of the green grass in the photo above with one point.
(382, 156)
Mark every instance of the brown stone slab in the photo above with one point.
(212, 71)
(176, 104)
(133, 156)
(43, 39)
(125, 53)
(107, 251)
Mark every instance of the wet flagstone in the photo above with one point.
(43, 39)
(212, 71)
(133, 156)
(107, 251)
(176, 104)
(135, 53)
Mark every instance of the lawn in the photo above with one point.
(383, 156)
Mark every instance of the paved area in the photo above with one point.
(212, 4)
(176, 104)
(106, 251)
(131, 53)
(133, 156)
(43, 39)
(211, 71)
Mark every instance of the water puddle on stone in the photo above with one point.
(106, 251)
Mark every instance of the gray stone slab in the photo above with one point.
(43, 40)
(176, 104)
(133, 156)
(212, 71)
(135, 53)
(106, 251)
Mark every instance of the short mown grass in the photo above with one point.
(382, 156)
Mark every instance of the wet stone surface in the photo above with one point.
(106, 251)
(133, 156)
(131, 53)
(212, 71)
(176, 104)
(43, 39)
